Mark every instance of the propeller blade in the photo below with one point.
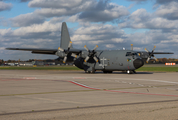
(70, 44)
(95, 47)
(74, 55)
(60, 49)
(65, 58)
(131, 46)
(153, 48)
(155, 58)
(95, 58)
(87, 58)
(148, 59)
(86, 48)
(146, 50)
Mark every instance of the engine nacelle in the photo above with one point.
(60, 54)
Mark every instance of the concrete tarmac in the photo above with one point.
(75, 95)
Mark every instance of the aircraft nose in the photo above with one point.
(138, 63)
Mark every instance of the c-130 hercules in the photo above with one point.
(92, 60)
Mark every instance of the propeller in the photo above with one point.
(151, 54)
(66, 52)
(91, 54)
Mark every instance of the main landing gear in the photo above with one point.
(107, 71)
(131, 71)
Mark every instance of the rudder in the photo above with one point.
(65, 38)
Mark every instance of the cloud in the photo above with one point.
(137, 0)
(92, 34)
(103, 11)
(156, 1)
(25, 0)
(168, 11)
(165, 1)
(142, 19)
(26, 20)
(92, 11)
(66, 9)
(56, 3)
(5, 6)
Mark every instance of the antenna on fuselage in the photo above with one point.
(131, 46)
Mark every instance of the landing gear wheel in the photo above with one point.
(107, 71)
(87, 71)
(128, 72)
(93, 70)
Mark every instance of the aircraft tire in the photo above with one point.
(128, 72)
(107, 71)
(93, 70)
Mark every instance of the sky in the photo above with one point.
(110, 24)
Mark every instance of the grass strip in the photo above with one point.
(158, 69)
(40, 68)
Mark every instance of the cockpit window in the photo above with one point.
(131, 54)
(128, 54)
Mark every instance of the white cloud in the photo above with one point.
(26, 20)
(103, 11)
(142, 19)
(37, 28)
(60, 7)
(110, 46)
(5, 6)
(168, 11)
(55, 3)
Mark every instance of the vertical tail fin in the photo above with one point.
(65, 38)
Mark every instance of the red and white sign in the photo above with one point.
(170, 63)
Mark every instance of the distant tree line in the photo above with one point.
(160, 60)
(167, 60)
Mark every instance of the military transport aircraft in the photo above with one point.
(92, 60)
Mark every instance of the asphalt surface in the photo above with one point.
(75, 95)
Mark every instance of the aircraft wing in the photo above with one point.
(36, 50)
(43, 51)
(163, 53)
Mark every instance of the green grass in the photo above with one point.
(158, 69)
(39, 68)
